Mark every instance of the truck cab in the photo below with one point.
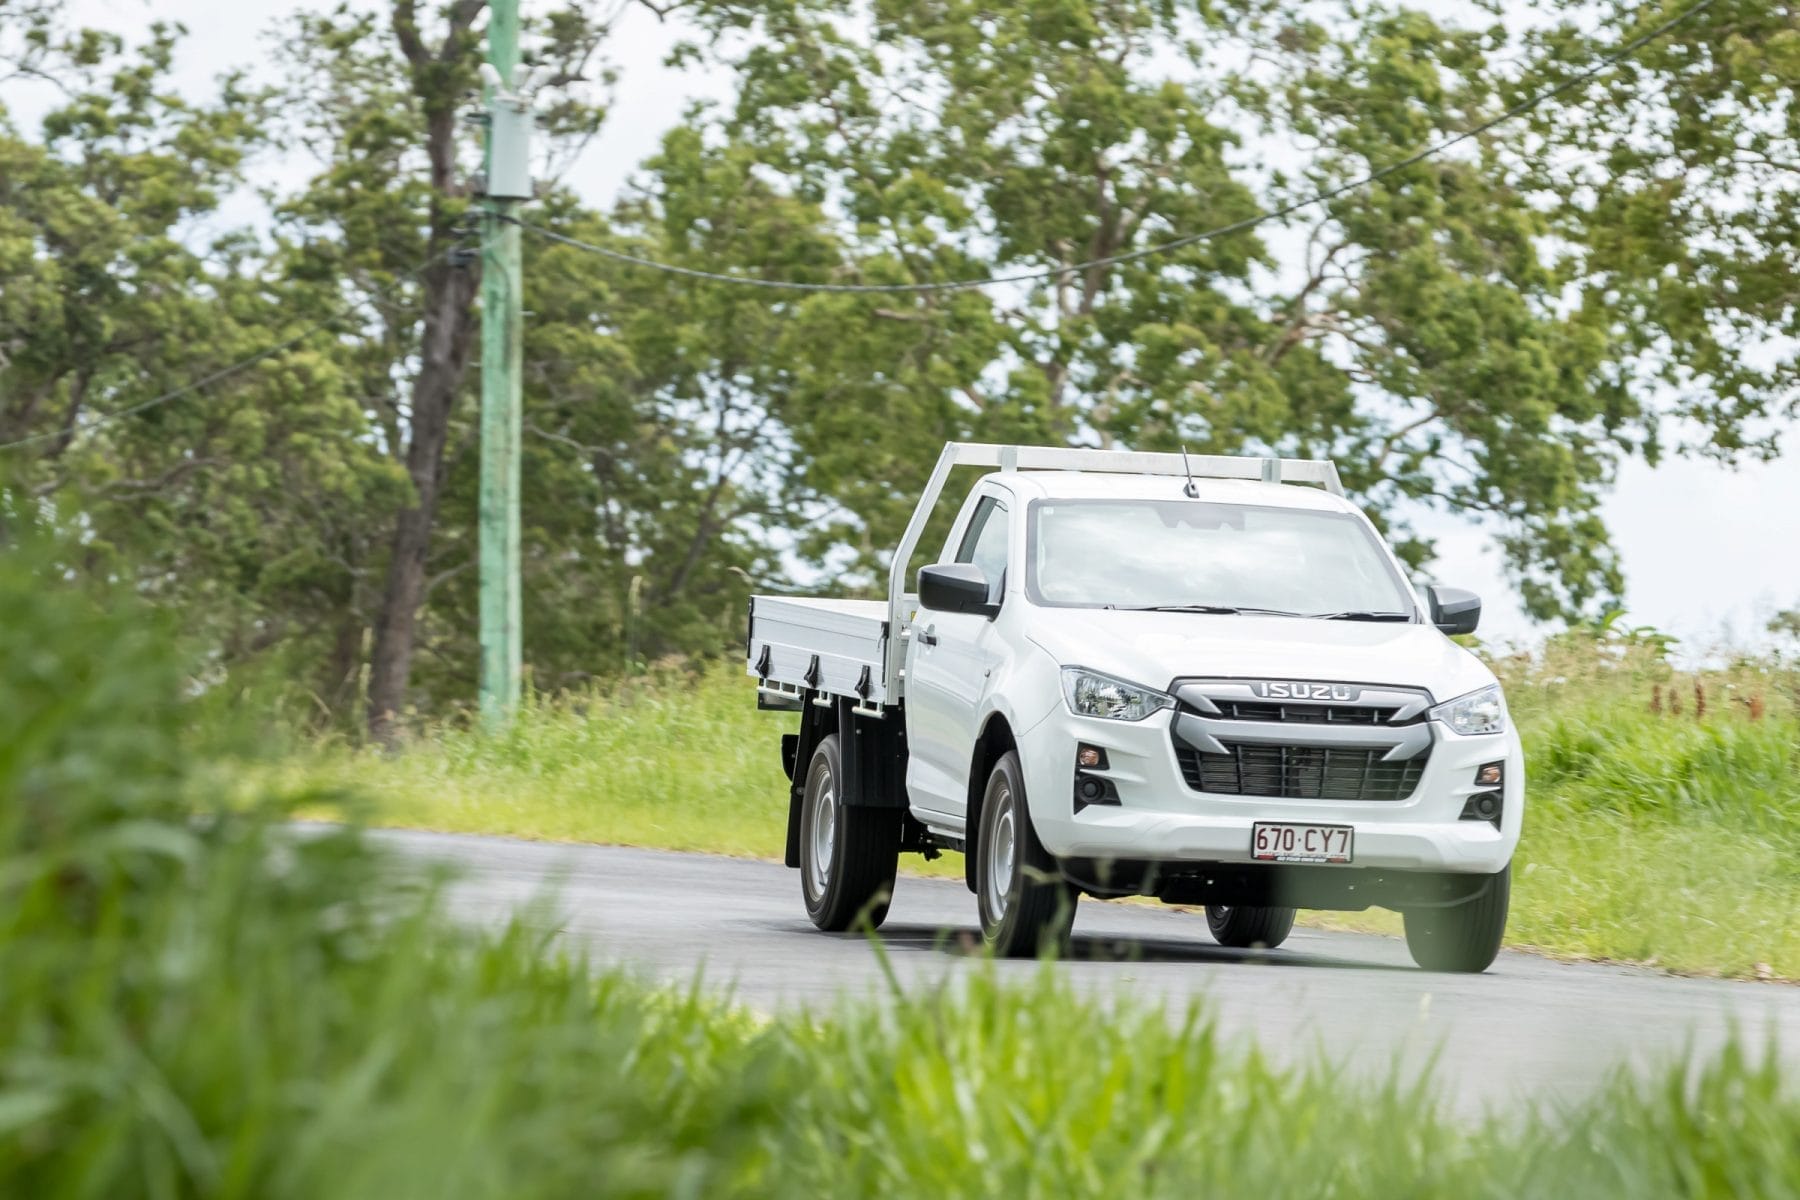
(1207, 681)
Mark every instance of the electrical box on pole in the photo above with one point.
(509, 149)
(502, 308)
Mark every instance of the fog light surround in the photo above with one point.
(1094, 789)
(1484, 806)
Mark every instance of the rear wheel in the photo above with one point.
(1465, 937)
(1242, 926)
(848, 855)
(1026, 906)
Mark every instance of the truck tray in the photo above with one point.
(834, 646)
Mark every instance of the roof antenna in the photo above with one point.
(1190, 489)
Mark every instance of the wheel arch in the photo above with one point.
(817, 722)
(995, 740)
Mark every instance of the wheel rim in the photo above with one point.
(824, 835)
(1002, 850)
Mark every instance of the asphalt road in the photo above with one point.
(1530, 1029)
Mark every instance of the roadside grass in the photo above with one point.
(198, 1001)
(678, 762)
(1657, 837)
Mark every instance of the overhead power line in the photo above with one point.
(1112, 260)
(205, 381)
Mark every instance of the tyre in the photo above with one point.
(1026, 906)
(848, 855)
(1242, 926)
(1465, 937)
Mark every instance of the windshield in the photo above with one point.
(1190, 554)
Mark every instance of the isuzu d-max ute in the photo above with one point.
(1204, 680)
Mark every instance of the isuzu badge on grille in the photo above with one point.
(1292, 690)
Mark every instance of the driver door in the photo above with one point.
(948, 668)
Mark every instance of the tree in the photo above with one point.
(265, 505)
(113, 300)
(1680, 211)
(658, 480)
(963, 142)
(378, 102)
(653, 476)
(103, 305)
(1415, 327)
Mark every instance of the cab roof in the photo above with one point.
(1101, 485)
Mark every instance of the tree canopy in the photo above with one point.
(1489, 331)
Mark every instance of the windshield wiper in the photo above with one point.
(1216, 608)
(1362, 615)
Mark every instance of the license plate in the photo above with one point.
(1286, 843)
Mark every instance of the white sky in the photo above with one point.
(1708, 552)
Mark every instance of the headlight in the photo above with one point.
(1091, 694)
(1478, 712)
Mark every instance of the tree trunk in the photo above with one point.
(337, 685)
(444, 356)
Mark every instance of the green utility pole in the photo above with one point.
(508, 183)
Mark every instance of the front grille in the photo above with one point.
(1300, 772)
(1305, 714)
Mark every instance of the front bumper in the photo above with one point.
(1160, 818)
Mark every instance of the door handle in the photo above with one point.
(929, 637)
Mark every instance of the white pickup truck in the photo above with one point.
(1136, 674)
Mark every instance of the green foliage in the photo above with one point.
(1664, 816)
(102, 301)
(1679, 210)
(87, 727)
(1490, 331)
(673, 763)
(227, 505)
(224, 1008)
(1424, 340)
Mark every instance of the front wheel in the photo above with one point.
(848, 855)
(1026, 906)
(1463, 938)
(1242, 926)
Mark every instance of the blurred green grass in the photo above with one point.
(1660, 837)
(680, 761)
(196, 1000)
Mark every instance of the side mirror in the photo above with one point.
(955, 587)
(1453, 610)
